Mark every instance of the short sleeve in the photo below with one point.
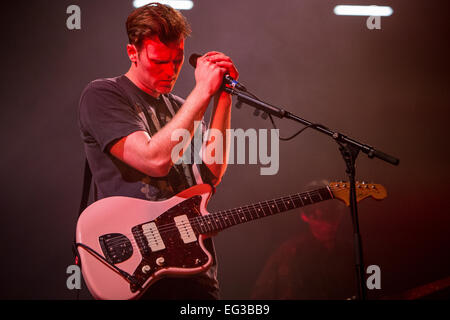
(106, 115)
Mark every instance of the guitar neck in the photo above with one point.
(221, 220)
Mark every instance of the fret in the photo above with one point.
(289, 204)
(254, 211)
(200, 225)
(204, 224)
(306, 200)
(298, 202)
(235, 216)
(301, 199)
(231, 218)
(217, 219)
(257, 211)
(320, 196)
(286, 208)
(326, 193)
(271, 207)
(208, 223)
(261, 209)
(266, 207)
(309, 195)
(247, 212)
(315, 197)
(227, 218)
(278, 208)
(241, 216)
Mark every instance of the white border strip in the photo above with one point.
(176, 4)
(376, 11)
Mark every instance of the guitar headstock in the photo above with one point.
(341, 191)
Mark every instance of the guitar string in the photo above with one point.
(235, 212)
(232, 213)
(197, 221)
(277, 201)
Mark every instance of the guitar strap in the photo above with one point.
(87, 178)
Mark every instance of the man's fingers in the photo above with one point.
(211, 53)
(224, 64)
(218, 57)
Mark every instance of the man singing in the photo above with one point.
(127, 122)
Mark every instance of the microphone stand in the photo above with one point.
(349, 149)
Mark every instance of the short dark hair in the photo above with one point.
(155, 19)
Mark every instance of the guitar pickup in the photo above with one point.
(185, 229)
(153, 237)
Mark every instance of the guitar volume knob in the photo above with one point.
(146, 268)
(160, 261)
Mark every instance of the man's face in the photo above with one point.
(159, 65)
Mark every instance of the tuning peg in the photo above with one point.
(238, 104)
(264, 116)
(256, 112)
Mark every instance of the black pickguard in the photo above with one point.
(177, 254)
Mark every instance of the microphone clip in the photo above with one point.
(233, 83)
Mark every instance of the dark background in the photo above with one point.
(387, 88)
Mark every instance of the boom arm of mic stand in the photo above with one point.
(258, 104)
(281, 113)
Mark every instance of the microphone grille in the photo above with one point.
(193, 59)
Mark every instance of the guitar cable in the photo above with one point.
(312, 125)
(131, 279)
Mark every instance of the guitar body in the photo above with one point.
(141, 238)
(127, 244)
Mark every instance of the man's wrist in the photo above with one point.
(202, 92)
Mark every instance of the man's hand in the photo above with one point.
(210, 70)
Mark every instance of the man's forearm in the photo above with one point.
(220, 120)
(192, 111)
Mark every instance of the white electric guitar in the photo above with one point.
(127, 244)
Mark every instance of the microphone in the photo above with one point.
(227, 78)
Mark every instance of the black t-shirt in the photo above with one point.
(111, 109)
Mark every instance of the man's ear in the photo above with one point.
(132, 53)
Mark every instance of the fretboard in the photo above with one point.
(218, 221)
